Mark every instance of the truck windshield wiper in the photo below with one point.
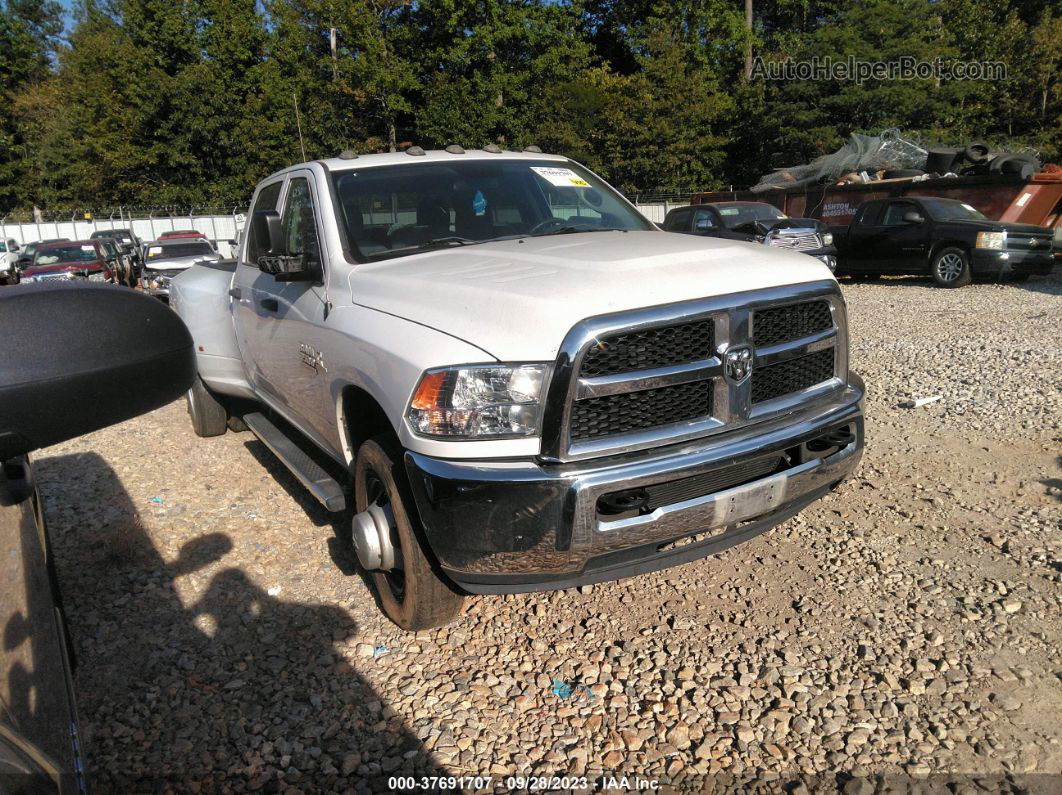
(572, 228)
(435, 242)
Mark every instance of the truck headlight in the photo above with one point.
(990, 240)
(827, 239)
(480, 401)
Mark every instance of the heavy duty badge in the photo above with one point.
(312, 357)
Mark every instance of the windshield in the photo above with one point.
(951, 210)
(392, 211)
(737, 214)
(171, 250)
(3, 246)
(75, 253)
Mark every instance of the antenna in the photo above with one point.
(298, 124)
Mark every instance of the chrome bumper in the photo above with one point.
(498, 527)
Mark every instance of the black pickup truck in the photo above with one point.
(944, 238)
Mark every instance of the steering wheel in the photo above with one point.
(549, 223)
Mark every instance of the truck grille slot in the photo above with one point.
(649, 348)
(710, 482)
(636, 411)
(784, 323)
(804, 242)
(793, 375)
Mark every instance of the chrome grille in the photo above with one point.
(636, 411)
(655, 376)
(797, 242)
(784, 323)
(793, 375)
(648, 349)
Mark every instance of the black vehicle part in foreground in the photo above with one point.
(88, 356)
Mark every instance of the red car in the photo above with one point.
(175, 233)
(72, 259)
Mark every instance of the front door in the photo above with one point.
(280, 323)
(904, 242)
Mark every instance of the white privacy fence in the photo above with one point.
(218, 228)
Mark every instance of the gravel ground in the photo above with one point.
(905, 626)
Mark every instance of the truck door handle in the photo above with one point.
(269, 304)
(235, 293)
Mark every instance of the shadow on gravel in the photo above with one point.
(341, 543)
(1054, 485)
(238, 691)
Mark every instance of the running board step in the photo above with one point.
(319, 483)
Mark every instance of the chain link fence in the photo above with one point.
(221, 224)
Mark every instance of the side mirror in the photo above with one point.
(126, 354)
(265, 224)
(912, 217)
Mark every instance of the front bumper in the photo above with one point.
(986, 262)
(510, 527)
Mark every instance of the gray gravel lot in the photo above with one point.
(907, 625)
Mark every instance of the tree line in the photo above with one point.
(155, 102)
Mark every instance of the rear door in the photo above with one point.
(861, 245)
(677, 220)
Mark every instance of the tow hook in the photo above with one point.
(371, 530)
(840, 437)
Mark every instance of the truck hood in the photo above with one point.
(177, 263)
(517, 299)
(998, 226)
(61, 267)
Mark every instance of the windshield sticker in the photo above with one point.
(88, 248)
(728, 210)
(479, 203)
(561, 177)
(154, 251)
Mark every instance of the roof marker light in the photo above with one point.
(348, 154)
(454, 149)
(416, 151)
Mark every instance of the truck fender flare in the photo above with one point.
(353, 401)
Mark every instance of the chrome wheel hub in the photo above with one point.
(949, 267)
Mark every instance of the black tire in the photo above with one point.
(415, 597)
(951, 267)
(208, 416)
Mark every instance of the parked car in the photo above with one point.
(164, 259)
(59, 382)
(129, 242)
(25, 256)
(178, 233)
(525, 384)
(76, 259)
(756, 222)
(9, 269)
(943, 238)
(119, 266)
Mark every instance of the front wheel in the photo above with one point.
(208, 416)
(411, 593)
(951, 268)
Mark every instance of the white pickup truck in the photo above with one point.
(522, 383)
